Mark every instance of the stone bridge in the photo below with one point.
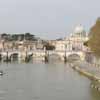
(43, 53)
(61, 54)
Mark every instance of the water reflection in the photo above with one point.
(39, 81)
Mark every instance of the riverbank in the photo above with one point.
(90, 72)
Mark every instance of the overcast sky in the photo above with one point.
(47, 18)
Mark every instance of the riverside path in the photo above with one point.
(92, 71)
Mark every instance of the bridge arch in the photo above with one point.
(73, 57)
(76, 55)
(54, 57)
(14, 56)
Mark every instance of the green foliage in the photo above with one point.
(30, 37)
(94, 41)
(49, 47)
(18, 37)
(86, 43)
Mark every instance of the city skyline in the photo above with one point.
(49, 19)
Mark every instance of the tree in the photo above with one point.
(49, 46)
(86, 44)
(4, 36)
(14, 37)
(29, 36)
(20, 37)
(94, 40)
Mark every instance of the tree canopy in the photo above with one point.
(94, 41)
(49, 46)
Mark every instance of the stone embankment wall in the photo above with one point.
(91, 71)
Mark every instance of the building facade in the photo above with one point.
(75, 42)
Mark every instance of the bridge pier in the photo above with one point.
(7, 58)
(65, 56)
(26, 57)
(0, 57)
(65, 59)
(46, 57)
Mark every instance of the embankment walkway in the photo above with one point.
(91, 71)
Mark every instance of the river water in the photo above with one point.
(40, 81)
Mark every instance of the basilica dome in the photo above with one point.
(79, 30)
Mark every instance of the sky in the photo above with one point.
(48, 19)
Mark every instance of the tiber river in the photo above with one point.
(40, 81)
